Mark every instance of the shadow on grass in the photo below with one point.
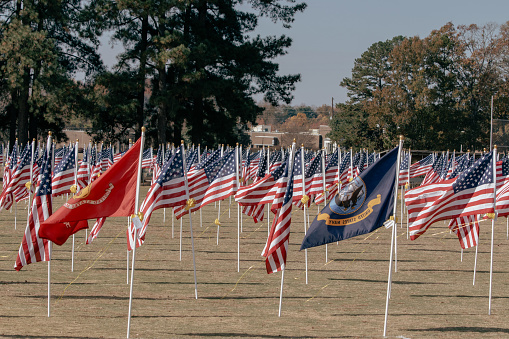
(385, 281)
(247, 335)
(463, 329)
(41, 336)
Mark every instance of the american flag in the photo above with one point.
(106, 159)
(264, 190)
(245, 168)
(253, 166)
(96, 164)
(7, 199)
(314, 176)
(467, 230)
(298, 179)
(276, 160)
(2, 158)
(222, 178)
(502, 202)
(198, 184)
(403, 170)
(158, 165)
(117, 156)
(435, 173)
(473, 192)
(363, 161)
(32, 247)
(20, 175)
(167, 191)
(63, 177)
(276, 248)
(147, 158)
(463, 162)
(421, 167)
(262, 167)
(331, 169)
(84, 170)
(344, 169)
(59, 154)
(94, 231)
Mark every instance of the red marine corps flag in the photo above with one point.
(110, 195)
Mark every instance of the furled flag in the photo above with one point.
(59, 155)
(111, 195)
(276, 248)
(502, 202)
(33, 248)
(314, 176)
(403, 170)
(7, 200)
(360, 207)
(421, 167)
(344, 169)
(84, 171)
(473, 192)
(167, 191)
(467, 230)
(63, 177)
(158, 165)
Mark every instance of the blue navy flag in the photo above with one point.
(360, 207)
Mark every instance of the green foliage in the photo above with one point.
(435, 91)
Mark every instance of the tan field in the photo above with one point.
(432, 292)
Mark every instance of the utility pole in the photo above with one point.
(332, 108)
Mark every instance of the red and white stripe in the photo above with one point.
(467, 230)
(33, 248)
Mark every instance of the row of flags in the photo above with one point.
(189, 180)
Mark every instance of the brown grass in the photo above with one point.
(432, 293)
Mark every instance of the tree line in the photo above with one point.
(436, 90)
(188, 71)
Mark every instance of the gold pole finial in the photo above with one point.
(143, 129)
(49, 133)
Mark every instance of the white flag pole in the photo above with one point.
(305, 199)
(128, 221)
(31, 182)
(189, 204)
(475, 261)
(324, 154)
(75, 189)
(138, 180)
(49, 149)
(219, 209)
(237, 163)
(389, 280)
(494, 164)
(290, 172)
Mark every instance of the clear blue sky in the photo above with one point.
(330, 34)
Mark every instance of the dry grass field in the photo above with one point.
(432, 293)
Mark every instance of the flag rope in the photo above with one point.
(98, 256)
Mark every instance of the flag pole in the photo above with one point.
(75, 189)
(188, 204)
(138, 179)
(324, 154)
(305, 199)
(494, 162)
(219, 208)
(290, 172)
(238, 206)
(389, 280)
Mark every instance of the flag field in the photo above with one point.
(432, 292)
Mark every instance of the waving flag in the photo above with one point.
(63, 177)
(84, 170)
(473, 192)
(33, 248)
(167, 191)
(421, 167)
(359, 208)
(111, 195)
(276, 248)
